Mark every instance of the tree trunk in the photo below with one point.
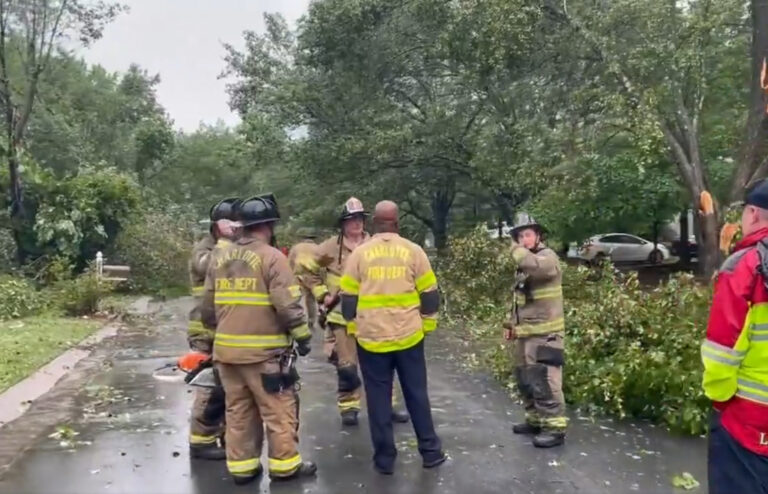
(684, 244)
(709, 249)
(753, 162)
(17, 212)
(441, 208)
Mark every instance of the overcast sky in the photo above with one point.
(182, 41)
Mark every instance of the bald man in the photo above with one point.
(389, 293)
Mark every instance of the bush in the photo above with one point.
(18, 298)
(81, 295)
(631, 351)
(156, 246)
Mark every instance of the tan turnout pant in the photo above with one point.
(539, 375)
(251, 408)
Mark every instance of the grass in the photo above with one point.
(31, 342)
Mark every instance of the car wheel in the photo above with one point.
(599, 259)
(656, 257)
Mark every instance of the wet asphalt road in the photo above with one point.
(132, 435)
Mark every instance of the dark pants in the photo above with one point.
(734, 469)
(378, 373)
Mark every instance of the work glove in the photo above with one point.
(303, 348)
(509, 330)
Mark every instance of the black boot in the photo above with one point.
(549, 439)
(207, 452)
(349, 417)
(526, 428)
(307, 469)
(400, 416)
(435, 462)
(247, 479)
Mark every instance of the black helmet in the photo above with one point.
(523, 221)
(352, 208)
(257, 210)
(224, 209)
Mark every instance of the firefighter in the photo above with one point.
(208, 408)
(735, 356)
(324, 273)
(299, 254)
(250, 290)
(537, 325)
(390, 295)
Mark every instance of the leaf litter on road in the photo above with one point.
(685, 481)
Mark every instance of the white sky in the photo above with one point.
(182, 41)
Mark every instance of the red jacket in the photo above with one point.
(738, 289)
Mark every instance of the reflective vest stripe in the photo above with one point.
(335, 317)
(402, 300)
(392, 345)
(555, 326)
(720, 353)
(252, 341)
(428, 324)
(425, 281)
(333, 280)
(553, 292)
(198, 290)
(242, 298)
(350, 285)
(319, 290)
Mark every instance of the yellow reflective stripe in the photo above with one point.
(554, 422)
(301, 332)
(333, 280)
(426, 281)
(350, 285)
(319, 291)
(542, 328)
(721, 353)
(352, 328)
(335, 317)
(201, 439)
(222, 242)
(198, 290)
(294, 290)
(243, 466)
(349, 405)
(242, 298)
(284, 466)
(554, 292)
(428, 324)
(392, 345)
(196, 328)
(252, 341)
(405, 300)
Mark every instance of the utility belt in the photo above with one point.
(287, 377)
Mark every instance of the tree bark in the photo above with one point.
(684, 244)
(442, 201)
(754, 146)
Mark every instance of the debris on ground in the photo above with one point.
(685, 481)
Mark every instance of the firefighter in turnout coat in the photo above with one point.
(537, 325)
(253, 300)
(208, 408)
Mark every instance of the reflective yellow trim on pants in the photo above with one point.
(284, 467)
(201, 439)
(319, 291)
(243, 467)
(402, 300)
(392, 345)
(349, 405)
(252, 341)
(197, 290)
(425, 281)
(336, 318)
(350, 285)
(556, 326)
(558, 423)
(242, 298)
(301, 332)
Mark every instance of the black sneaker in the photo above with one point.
(526, 428)
(383, 471)
(306, 469)
(400, 416)
(436, 462)
(207, 452)
(549, 439)
(349, 417)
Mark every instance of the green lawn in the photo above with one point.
(29, 343)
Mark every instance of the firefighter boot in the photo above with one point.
(349, 417)
(207, 452)
(526, 428)
(549, 439)
(307, 469)
(247, 479)
(400, 416)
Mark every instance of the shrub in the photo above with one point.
(630, 350)
(81, 295)
(18, 298)
(156, 246)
